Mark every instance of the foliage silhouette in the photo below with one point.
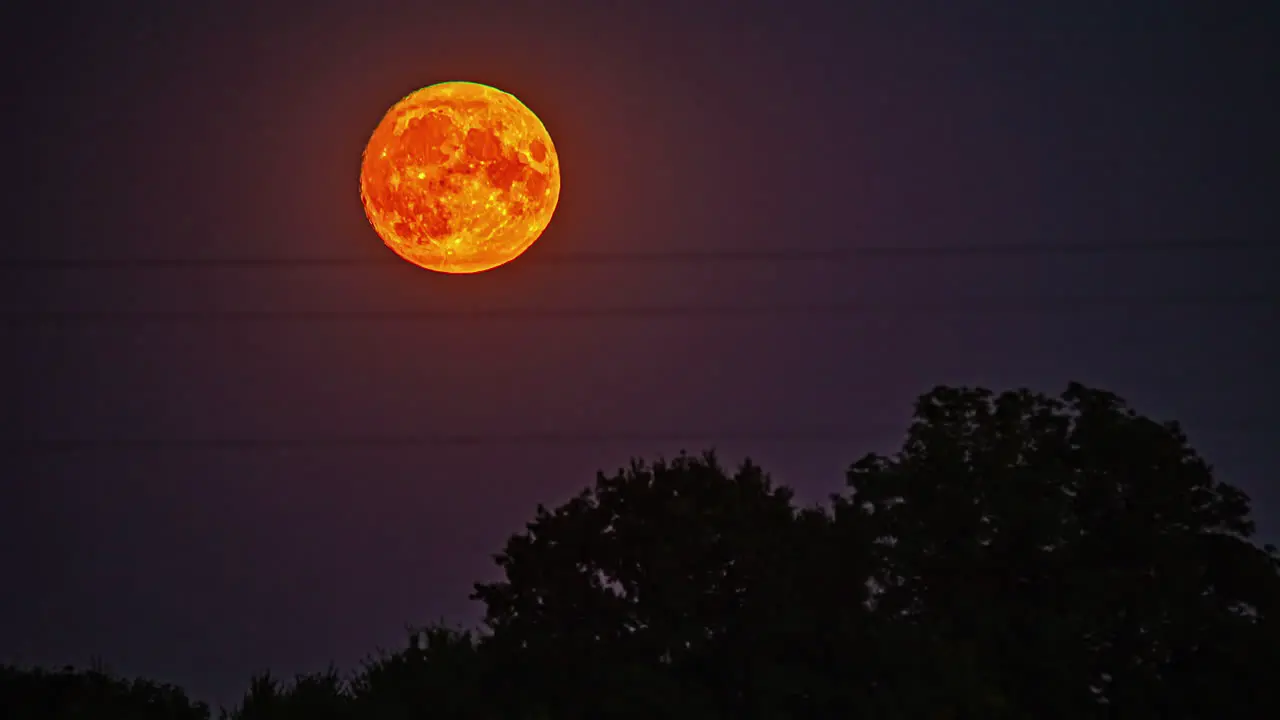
(1020, 556)
(438, 675)
(316, 696)
(677, 572)
(1081, 559)
(70, 694)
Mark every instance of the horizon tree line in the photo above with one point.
(1020, 556)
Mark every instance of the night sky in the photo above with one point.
(243, 492)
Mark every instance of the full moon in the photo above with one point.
(459, 178)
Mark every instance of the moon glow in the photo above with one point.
(459, 177)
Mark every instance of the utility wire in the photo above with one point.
(1011, 304)
(777, 255)
(695, 440)
(441, 440)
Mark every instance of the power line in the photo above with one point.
(1011, 304)
(442, 440)
(693, 440)
(733, 255)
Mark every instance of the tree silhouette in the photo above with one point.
(1020, 556)
(70, 694)
(675, 587)
(318, 696)
(438, 675)
(1080, 558)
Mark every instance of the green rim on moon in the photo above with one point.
(459, 177)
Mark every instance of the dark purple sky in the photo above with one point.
(234, 129)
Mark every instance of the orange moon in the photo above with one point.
(459, 178)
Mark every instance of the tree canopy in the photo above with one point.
(1019, 556)
(1083, 559)
(70, 694)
